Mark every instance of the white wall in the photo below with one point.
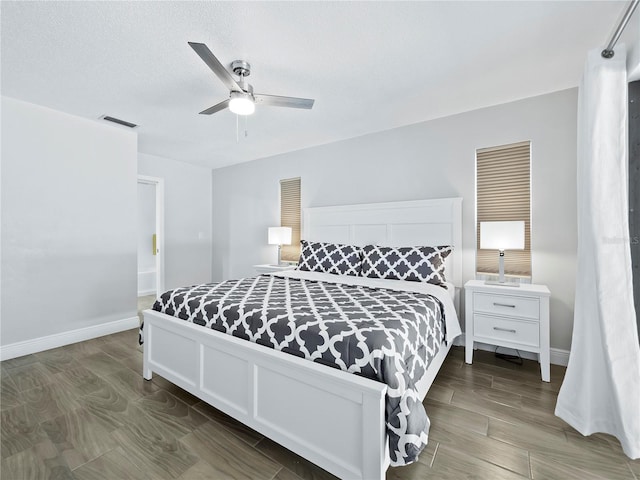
(187, 221)
(425, 160)
(68, 223)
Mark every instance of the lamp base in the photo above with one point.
(502, 284)
(501, 281)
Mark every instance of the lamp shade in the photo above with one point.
(502, 235)
(279, 236)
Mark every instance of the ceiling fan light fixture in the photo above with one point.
(242, 103)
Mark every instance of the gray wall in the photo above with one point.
(634, 191)
(68, 222)
(187, 219)
(425, 160)
(631, 38)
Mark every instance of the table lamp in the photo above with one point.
(502, 236)
(279, 236)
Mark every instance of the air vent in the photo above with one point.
(118, 121)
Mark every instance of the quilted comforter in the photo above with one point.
(386, 335)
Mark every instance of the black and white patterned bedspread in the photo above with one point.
(386, 335)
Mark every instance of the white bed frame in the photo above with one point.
(332, 418)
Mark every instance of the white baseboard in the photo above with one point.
(144, 293)
(40, 344)
(557, 356)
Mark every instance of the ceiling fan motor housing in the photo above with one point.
(246, 87)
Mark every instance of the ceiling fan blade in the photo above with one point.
(276, 101)
(216, 108)
(214, 64)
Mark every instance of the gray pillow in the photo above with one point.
(415, 264)
(330, 258)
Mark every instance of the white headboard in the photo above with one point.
(395, 224)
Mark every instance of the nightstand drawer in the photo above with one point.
(511, 305)
(498, 328)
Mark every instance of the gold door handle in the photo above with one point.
(154, 244)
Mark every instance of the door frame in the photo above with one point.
(158, 182)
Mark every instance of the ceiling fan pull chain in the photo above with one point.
(246, 120)
(237, 136)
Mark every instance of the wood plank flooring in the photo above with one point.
(84, 412)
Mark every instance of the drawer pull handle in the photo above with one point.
(503, 305)
(510, 330)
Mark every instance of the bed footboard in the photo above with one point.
(332, 418)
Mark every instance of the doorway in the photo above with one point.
(150, 237)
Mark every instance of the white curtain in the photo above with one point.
(601, 389)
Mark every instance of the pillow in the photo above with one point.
(330, 258)
(415, 264)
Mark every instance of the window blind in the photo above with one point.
(290, 217)
(503, 193)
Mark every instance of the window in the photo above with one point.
(290, 217)
(503, 193)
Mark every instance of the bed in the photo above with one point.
(330, 417)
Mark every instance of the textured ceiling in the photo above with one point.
(370, 66)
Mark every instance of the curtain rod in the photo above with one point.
(608, 52)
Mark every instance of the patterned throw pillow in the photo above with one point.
(330, 258)
(415, 264)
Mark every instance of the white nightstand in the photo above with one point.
(266, 268)
(512, 317)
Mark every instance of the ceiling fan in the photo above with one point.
(242, 100)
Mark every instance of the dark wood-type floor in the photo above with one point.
(83, 411)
